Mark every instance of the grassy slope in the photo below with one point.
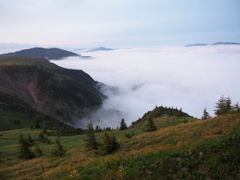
(162, 154)
(27, 61)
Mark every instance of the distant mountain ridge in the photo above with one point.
(49, 54)
(196, 44)
(226, 43)
(217, 43)
(100, 49)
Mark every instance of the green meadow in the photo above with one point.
(181, 148)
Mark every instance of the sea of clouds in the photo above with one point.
(191, 78)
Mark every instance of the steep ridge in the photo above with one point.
(45, 87)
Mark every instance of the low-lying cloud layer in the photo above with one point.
(191, 78)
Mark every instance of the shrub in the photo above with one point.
(58, 151)
(150, 126)
(129, 135)
(109, 144)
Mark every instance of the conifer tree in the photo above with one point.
(30, 140)
(150, 126)
(123, 125)
(37, 151)
(58, 151)
(223, 106)
(236, 108)
(90, 142)
(41, 137)
(37, 126)
(24, 151)
(98, 129)
(205, 114)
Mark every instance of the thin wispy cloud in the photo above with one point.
(189, 78)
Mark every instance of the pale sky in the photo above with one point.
(118, 23)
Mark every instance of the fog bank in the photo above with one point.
(191, 78)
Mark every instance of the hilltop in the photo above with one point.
(158, 112)
(34, 87)
(49, 54)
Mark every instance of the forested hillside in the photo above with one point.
(33, 86)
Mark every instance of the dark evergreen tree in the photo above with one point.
(109, 144)
(30, 140)
(46, 140)
(236, 108)
(58, 151)
(228, 102)
(98, 129)
(223, 106)
(41, 138)
(123, 125)
(24, 151)
(90, 142)
(37, 151)
(37, 126)
(205, 114)
(107, 129)
(150, 126)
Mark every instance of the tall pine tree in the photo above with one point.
(123, 125)
(223, 106)
(90, 142)
(205, 114)
(38, 152)
(24, 151)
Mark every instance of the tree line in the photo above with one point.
(223, 106)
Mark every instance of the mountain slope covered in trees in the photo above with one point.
(35, 84)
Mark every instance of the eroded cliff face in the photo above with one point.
(57, 92)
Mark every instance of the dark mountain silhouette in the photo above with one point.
(226, 43)
(217, 43)
(197, 44)
(49, 54)
(100, 49)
